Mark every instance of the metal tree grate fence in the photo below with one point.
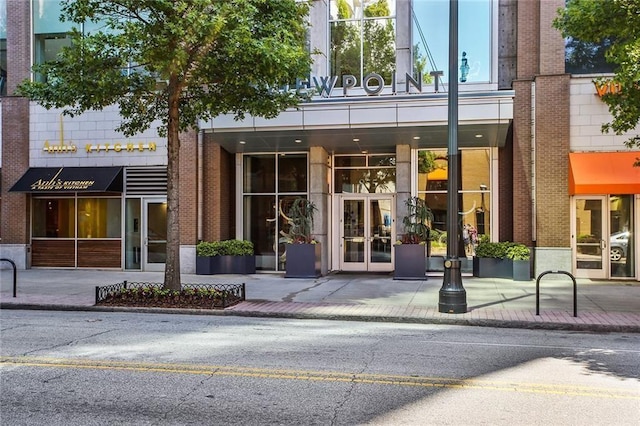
(229, 294)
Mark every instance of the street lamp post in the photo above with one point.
(453, 297)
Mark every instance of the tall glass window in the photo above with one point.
(270, 183)
(50, 34)
(430, 38)
(363, 39)
(581, 57)
(475, 195)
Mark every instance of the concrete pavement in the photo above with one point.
(602, 305)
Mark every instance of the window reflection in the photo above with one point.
(362, 39)
(431, 37)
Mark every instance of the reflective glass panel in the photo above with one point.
(259, 173)
(99, 218)
(431, 37)
(589, 234)
(292, 173)
(54, 218)
(621, 236)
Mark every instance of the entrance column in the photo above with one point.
(319, 195)
(403, 184)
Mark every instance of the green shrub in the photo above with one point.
(518, 252)
(494, 250)
(224, 248)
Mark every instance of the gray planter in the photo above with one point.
(225, 265)
(303, 261)
(521, 270)
(410, 263)
(488, 267)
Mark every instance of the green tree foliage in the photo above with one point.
(617, 23)
(174, 62)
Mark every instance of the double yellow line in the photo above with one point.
(321, 376)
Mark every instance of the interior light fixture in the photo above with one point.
(478, 136)
(298, 140)
(416, 138)
(356, 140)
(242, 142)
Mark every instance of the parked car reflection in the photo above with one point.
(618, 243)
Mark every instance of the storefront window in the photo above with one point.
(270, 183)
(54, 218)
(99, 218)
(362, 39)
(431, 37)
(475, 196)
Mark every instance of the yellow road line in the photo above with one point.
(322, 376)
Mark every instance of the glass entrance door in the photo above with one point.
(155, 235)
(591, 254)
(366, 230)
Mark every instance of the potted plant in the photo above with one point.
(302, 254)
(520, 255)
(410, 250)
(225, 257)
(490, 260)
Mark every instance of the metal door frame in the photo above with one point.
(367, 265)
(146, 266)
(603, 272)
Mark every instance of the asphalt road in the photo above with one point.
(86, 368)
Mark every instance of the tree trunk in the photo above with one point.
(172, 265)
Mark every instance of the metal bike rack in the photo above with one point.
(15, 275)
(575, 290)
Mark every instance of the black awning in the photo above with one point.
(70, 179)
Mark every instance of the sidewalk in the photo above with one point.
(602, 306)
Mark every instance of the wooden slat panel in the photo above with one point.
(99, 254)
(53, 253)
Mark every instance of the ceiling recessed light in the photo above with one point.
(356, 140)
(242, 142)
(478, 136)
(298, 140)
(416, 138)
(365, 151)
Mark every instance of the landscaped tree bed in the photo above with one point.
(152, 295)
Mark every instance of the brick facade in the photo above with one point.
(218, 222)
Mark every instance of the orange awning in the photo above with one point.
(599, 173)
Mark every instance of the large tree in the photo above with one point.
(175, 62)
(614, 24)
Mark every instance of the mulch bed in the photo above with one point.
(182, 301)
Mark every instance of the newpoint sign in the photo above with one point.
(373, 84)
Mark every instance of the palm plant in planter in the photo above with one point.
(225, 257)
(302, 252)
(410, 251)
(520, 255)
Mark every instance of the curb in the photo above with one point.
(527, 325)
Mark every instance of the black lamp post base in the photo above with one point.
(453, 296)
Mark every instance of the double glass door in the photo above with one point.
(603, 237)
(366, 233)
(145, 245)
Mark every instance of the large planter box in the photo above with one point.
(410, 262)
(225, 265)
(487, 267)
(521, 270)
(303, 261)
